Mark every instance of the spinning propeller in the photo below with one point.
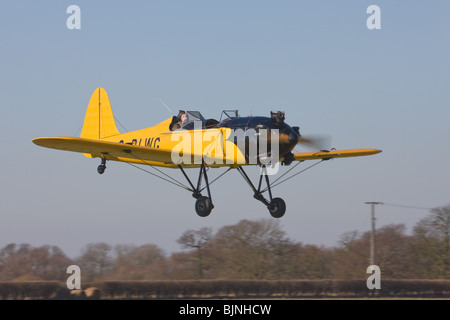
(315, 142)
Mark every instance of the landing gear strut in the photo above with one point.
(203, 205)
(276, 206)
(101, 168)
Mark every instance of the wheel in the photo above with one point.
(277, 207)
(101, 168)
(203, 206)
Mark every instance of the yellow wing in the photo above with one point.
(109, 150)
(325, 155)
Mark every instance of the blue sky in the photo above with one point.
(317, 61)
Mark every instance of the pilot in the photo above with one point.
(184, 119)
(179, 121)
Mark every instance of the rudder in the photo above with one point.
(99, 120)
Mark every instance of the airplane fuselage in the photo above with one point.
(230, 141)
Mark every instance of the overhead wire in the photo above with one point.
(404, 206)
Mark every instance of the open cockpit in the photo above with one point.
(189, 120)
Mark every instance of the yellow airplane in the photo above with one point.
(191, 141)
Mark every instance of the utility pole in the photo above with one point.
(372, 234)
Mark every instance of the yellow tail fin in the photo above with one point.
(99, 120)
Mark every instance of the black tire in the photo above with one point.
(203, 206)
(101, 168)
(277, 207)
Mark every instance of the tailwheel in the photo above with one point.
(102, 167)
(203, 206)
(277, 207)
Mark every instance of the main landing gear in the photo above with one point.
(203, 205)
(276, 206)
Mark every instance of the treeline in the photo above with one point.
(248, 250)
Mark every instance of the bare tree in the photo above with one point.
(24, 262)
(393, 254)
(137, 263)
(197, 240)
(310, 262)
(95, 261)
(432, 244)
(252, 250)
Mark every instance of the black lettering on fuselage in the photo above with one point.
(151, 142)
(154, 145)
(148, 142)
